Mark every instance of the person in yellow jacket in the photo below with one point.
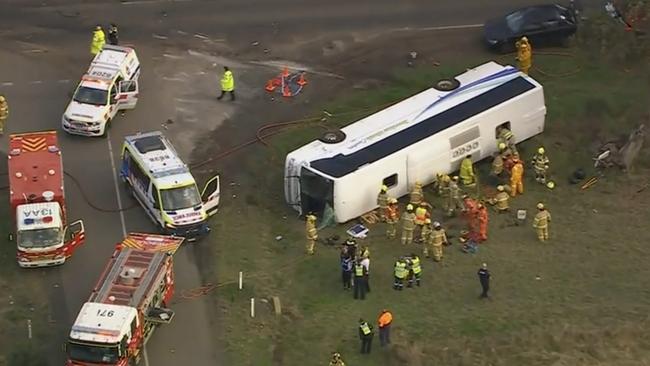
(312, 234)
(415, 270)
(540, 164)
(502, 200)
(516, 177)
(437, 239)
(408, 225)
(453, 200)
(426, 231)
(421, 214)
(4, 113)
(227, 84)
(466, 172)
(99, 40)
(382, 202)
(524, 55)
(416, 196)
(401, 272)
(441, 183)
(542, 220)
(497, 165)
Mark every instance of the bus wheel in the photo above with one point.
(446, 84)
(332, 137)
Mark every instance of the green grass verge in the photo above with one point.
(587, 308)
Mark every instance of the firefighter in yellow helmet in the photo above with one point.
(336, 360)
(506, 137)
(416, 195)
(524, 55)
(408, 225)
(516, 177)
(541, 222)
(466, 171)
(502, 200)
(441, 183)
(382, 202)
(454, 201)
(421, 215)
(312, 234)
(426, 231)
(497, 164)
(392, 217)
(4, 113)
(540, 164)
(437, 239)
(99, 40)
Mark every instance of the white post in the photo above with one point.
(252, 307)
(29, 328)
(241, 279)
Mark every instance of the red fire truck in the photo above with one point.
(37, 198)
(127, 304)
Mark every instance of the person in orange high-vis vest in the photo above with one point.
(392, 218)
(517, 177)
(384, 321)
(482, 216)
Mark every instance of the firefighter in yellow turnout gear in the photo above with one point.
(382, 202)
(524, 55)
(4, 113)
(408, 225)
(540, 165)
(502, 200)
(437, 239)
(416, 196)
(466, 172)
(542, 220)
(453, 201)
(426, 231)
(312, 234)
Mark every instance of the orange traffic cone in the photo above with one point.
(302, 81)
(270, 86)
(285, 72)
(285, 91)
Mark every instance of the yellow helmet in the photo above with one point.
(409, 207)
(540, 150)
(427, 221)
(446, 178)
(2, 98)
(384, 188)
(550, 185)
(418, 184)
(502, 146)
(524, 39)
(500, 188)
(540, 206)
(311, 218)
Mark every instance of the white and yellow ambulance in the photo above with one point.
(164, 186)
(109, 85)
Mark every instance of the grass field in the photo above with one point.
(588, 307)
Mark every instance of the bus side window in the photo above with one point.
(154, 196)
(496, 130)
(390, 181)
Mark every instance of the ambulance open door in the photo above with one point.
(210, 196)
(127, 94)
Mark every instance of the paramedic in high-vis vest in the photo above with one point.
(98, 42)
(227, 84)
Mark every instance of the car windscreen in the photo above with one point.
(516, 21)
(93, 353)
(180, 197)
(88, 95)
(40, 238)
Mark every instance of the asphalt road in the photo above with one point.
(45, 51)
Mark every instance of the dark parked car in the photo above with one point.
(543, 25)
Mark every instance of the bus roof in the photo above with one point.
(418, 117)
(34, 167)
(157, 156)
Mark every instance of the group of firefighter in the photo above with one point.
(507, 166)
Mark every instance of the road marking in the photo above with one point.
(138, 2)
(7, 83)
(145, 356)
(158, 36)
(115, 181)
(444, 27)
(36, 82)
(63, 81)
(198, 35)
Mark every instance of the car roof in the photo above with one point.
(540, 10)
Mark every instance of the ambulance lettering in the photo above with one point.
(37, 213)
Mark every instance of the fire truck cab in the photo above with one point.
(110, 85)
(37, 199)
(127, 304)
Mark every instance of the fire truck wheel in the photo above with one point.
(446, 84)
(332, 137)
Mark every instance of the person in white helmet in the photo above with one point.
(408, 225)
(541, 222)
(540, 165)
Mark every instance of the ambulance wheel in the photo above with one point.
(332, 137)
(447, 84)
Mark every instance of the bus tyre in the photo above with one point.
(447, 84)
(332, 137)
